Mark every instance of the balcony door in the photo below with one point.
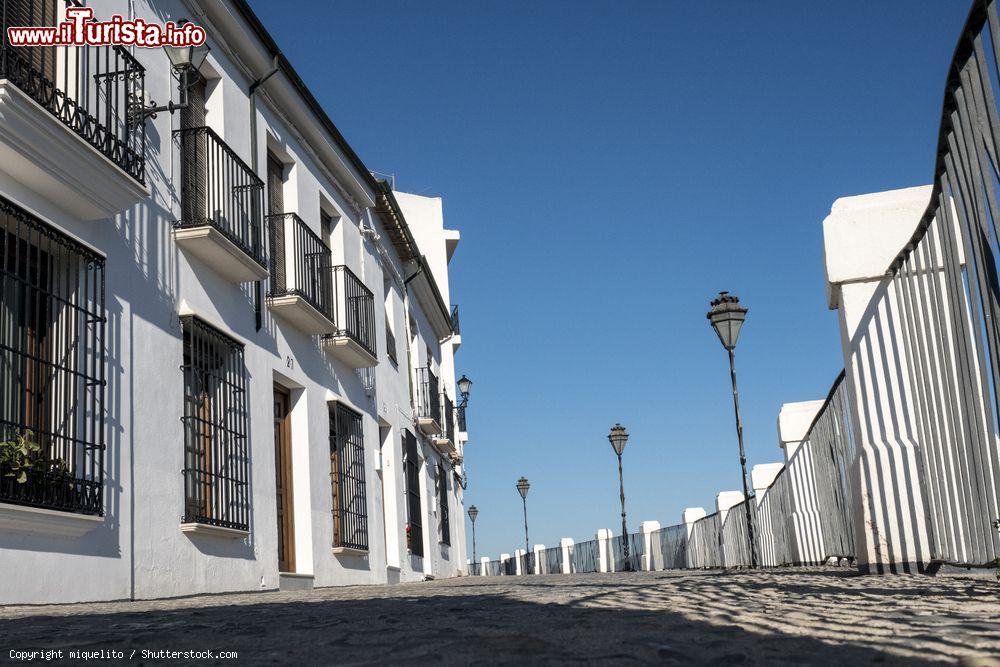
(283, 479)
(41, 59)
(194, 157)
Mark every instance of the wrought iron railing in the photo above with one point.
(448, 414)
(455, 324)
(637, 546)
(300, 263)
(428, 395)
(585, 556)
(353, 308)
(219, 190)
(90, 89)
(52, 367)
(551, 561)
(460, 416)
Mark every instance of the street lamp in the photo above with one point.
(473, 513)
(727, 318)
(464, 386)
(618, 437)
(522, 488)
(185, 61)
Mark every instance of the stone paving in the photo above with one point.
(802, 616)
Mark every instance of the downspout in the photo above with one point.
(252, 94)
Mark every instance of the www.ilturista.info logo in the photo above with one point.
(80, 29)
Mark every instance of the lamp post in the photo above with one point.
(727, 318)
(522, 488)
(473, 513)
(185, 61)
(464, 386)
(618, 437)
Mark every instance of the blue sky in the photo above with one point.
(611, 166)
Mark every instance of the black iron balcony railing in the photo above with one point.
(390, 344)
(354, 308)
(88, 88)
(455, 325)
(300, 263)
(219, 190)
(460, 414)
(449, 417)
(428, 395)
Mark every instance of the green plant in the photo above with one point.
(19, 456)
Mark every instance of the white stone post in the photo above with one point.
(484, 562)
(804, 526)
(503, 563)
(861, 236)
(605, 561)
(518, 561)
(566, 544)
(648, 528)
(539, 550)
(688, 517)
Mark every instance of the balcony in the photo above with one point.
(456, 329)
(65, 127)
(428, 402)
(353, 340)
(301, 275)
(445, 440)
(460, 417)
(222, 204)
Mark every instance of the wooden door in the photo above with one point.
(283, 479)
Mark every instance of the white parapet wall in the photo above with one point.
(539, 555)
(804, 527)
(862, 235)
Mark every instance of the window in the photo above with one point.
(52, 367)
(216, 462)
(347, 476)
(442, 484)
(411, 466)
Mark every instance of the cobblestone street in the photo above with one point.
(815, 616)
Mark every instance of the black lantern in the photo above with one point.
(618, 437)
(522, 487)
(184, 57)
(185, 61)
(473, 513)
(464, 385)
(727, 318)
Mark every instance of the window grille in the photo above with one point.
(442, 476)
(52, 367)
(347, 476)
(411, 464)
(216, 462)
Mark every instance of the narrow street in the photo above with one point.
(803, 616)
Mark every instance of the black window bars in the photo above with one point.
(442, 480)
(52, 367)
(90, 89)
(347, 477)
(414, 525)
(216, 457)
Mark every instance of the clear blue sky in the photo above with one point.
(611, 166)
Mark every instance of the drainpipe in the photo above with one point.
(252, 94)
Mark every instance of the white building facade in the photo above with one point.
(227, 351)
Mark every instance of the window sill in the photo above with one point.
(35, 520)
(349, 551)
(215, 531)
